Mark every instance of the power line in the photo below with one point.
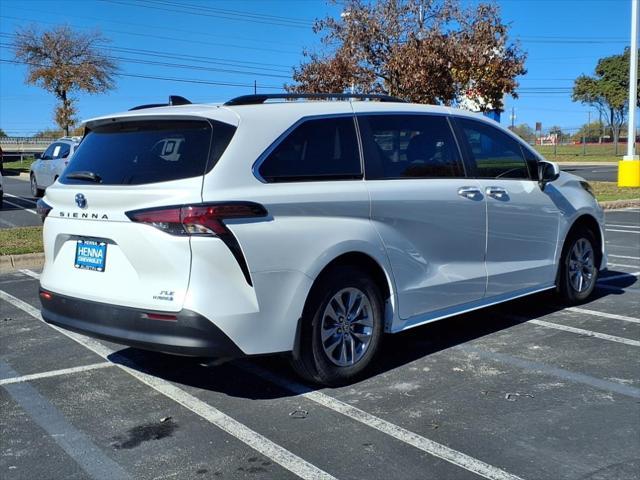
(183, 56)
(182, 66)
(67, 14)
(170, 79)
(301, 21)
(234, 17)
(162, 37)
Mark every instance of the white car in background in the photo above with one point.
(51, 164)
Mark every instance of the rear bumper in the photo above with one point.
(188, 334)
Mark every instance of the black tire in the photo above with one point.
(567, 290)
(311, 360)
(35, 191)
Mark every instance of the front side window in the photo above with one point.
(319, 149)
(48, 153)
(494, 153)
(410, 146)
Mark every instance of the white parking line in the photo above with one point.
(30, 273)
(55, 373)
(406, 436)
(261, 444)
(589, 333)
(21, 207)
(545, 369)
(621, 265)
(596, 313)
(7, 224)
(20, 198)
(623, 256)
(622, 231)
(622, 226)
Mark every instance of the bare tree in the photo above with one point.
(429, 51)
(63, 61)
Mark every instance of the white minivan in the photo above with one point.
(269, 224)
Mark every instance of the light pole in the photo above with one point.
(629, 167)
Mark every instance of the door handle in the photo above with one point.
(469, 192)
(498, 193)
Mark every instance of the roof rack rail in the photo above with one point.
(261, 98)
(173, 100)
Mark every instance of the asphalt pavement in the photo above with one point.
(525, 390)
(19, 208)
(606, 172)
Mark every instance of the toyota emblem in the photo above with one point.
(81, 201)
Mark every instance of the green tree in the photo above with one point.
(608, 91)
(63, 62)
(427, 51)
(525, 132)
(3, 133)
(591, 132)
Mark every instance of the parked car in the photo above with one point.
(48, 168)
(311, 228)
(1, 191)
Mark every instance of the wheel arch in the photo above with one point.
(368, 263)
(589, 222)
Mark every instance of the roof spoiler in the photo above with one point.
(173, 100)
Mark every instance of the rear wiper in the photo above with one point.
(83, 175)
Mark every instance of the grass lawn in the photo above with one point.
(574, 153)
(14, 241)
(609, 191)
(18, 166)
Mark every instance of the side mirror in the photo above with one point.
(547, 172)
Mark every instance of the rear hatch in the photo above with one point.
(93, 249)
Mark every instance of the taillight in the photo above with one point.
(199, 219)
(43, 208)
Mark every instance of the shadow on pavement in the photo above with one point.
(397, 350)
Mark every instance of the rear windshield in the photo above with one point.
(138, 152)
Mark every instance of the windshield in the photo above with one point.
(139, 152)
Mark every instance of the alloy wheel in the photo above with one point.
(347, 327)
(581, 265)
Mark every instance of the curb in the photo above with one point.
(616, 204)
(9, 263)
(588, 164)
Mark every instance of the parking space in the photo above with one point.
(527, 390)
(19, 206)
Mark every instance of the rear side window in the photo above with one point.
(320, 149)
(495, 154)
(140, 152)
(409, 146)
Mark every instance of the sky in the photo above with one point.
(213, 50)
